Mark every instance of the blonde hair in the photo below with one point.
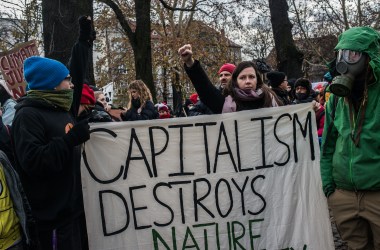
(97, 94)
(143, 91)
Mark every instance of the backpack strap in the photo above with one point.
(332, 115)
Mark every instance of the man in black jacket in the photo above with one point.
(47, 143)
(279, 83)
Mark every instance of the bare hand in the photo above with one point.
(316, 105)
(107, 108)
(186, 54)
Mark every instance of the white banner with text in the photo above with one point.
(244, 180)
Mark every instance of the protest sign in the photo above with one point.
(244, 180)
(12, 66)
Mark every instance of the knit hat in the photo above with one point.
(194, 98)
(328, 77)
(229, 67)
(87, 97)
(304, 83)
(275, 78)
(43, 73)
(163, 108)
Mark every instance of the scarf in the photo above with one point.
(61, 98)
(248, 94)
(244, 95)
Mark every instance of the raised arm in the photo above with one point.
(79, 60)
(208, 93)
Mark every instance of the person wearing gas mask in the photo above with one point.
(350, 158)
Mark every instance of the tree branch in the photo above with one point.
(175, 8)
(121, 18)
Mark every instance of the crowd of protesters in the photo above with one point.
(43, 132)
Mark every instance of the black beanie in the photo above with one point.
(304, 83)
(275, 78)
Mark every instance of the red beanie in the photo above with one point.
(227, 67)
(164, 108)
(88, 96)
(194, 98)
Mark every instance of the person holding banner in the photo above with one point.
(140, 106)
(245, 91)
(350, 158)
(47, 145)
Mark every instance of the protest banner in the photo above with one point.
(244, 180)
(12, 66)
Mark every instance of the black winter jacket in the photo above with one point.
(49, 168)
(47, 165)
(149, 112)
(282, 95)
(199, 109)
(97, 114)
(207, 92)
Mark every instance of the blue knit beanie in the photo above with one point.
(43, 73)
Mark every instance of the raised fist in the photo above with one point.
(186, 55)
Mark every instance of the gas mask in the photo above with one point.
(349, 64)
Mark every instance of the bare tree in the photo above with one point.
(60, 27)
(289, 58)
(139, 37)
(20, 22)
(176, 18)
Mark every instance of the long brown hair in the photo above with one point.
(268, 94)
(143, 91)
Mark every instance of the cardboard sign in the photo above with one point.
(12, 66)
(244, 180)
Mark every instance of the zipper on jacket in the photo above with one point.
(352, 114)
(351, 174)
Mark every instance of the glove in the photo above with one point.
(86, 31)
(136, 103)
(78, 134)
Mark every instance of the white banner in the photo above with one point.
(245, 180)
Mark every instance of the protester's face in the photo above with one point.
(162, 112)
(134, 93)
(288, 88)
(224, 78)
(301, 89)
(284, 85)
(65, 84)
(102, 100)
(247, 79)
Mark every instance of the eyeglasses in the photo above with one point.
(68, 78)
(349, 56)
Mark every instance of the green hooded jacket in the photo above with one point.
(345, 165)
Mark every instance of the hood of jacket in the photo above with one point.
(363, 39)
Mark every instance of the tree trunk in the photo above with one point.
(289, 58)
(139, 39)
(60, 28)
(142, 45)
